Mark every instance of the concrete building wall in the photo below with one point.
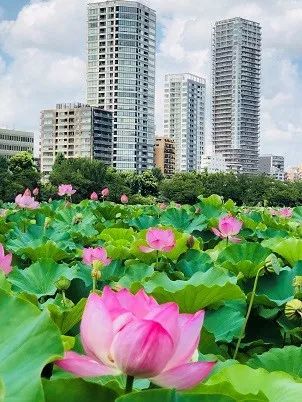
(236, 67)
(76, 131)
(14, 141)
(164, 155)
(184, 119)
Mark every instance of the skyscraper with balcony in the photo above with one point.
(121, 77)
(185, 119)
(236, 58)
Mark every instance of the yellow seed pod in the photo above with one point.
(293, 309)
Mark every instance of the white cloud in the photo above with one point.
(45, 59)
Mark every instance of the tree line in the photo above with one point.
(20, 172)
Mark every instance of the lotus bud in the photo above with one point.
(293, 309)
(62, 283)
(190, 242)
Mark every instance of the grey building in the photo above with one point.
(76, 131)
(14, 141)
(236, 65)
(184, 119)
(272, 165)
(121, 77)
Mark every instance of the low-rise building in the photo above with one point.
(164, 155)
(14, 141)
(76, 131)
(213, 163)
(272, 165)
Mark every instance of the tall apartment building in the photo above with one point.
(76, 131)
(14, 141)
(121, 77)
(236, 58)
(164, 155)
(272, 165)
(184, 119)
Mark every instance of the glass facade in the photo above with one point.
(121, 77)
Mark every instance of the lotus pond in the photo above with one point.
(110, 302)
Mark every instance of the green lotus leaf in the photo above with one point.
(28, 341)
(226, 322)
(39, 279)
(194, 261)
(290, 249)
(246, 258)
(76, 389)
(135, 273)
(182, 220)
(66, 318)
(276, 290)
(40, 242)
(287, 359)
(144, 222)
(274, 387)
(167, 395)
(77, 222)
(201, 290)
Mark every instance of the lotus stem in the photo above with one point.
(129, 384)
(242, 331)
(64, 298)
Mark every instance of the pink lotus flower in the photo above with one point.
(273, 212)
(134, 335)
(159, 239)
(95, 254)
(27, 192)
(286, 212)
(124, 199)
(5, 261)
(162, 205)
(105, 192)
(35, 191)
(94, 196)
(26, 201)
(228, 228)
(66, 189)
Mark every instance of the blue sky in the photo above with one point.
(43, 59)
(11, 7)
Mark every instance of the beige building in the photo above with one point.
(14, 141)
(76, 131)
(294, 173)
(164, 155)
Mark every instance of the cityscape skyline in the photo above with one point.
(279, 139)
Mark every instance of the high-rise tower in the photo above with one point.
(236, 47)
(185, 118)
(121, 77)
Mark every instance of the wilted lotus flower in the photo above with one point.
(159, 239)
(124, 199)
(3, 212)
(26, 201)
(105, 192)
(35, 191)
(132, 334)
(286, 212)
(228, 228)
(66, 189)
(5, 261)
(95, 254)
(94, 196)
